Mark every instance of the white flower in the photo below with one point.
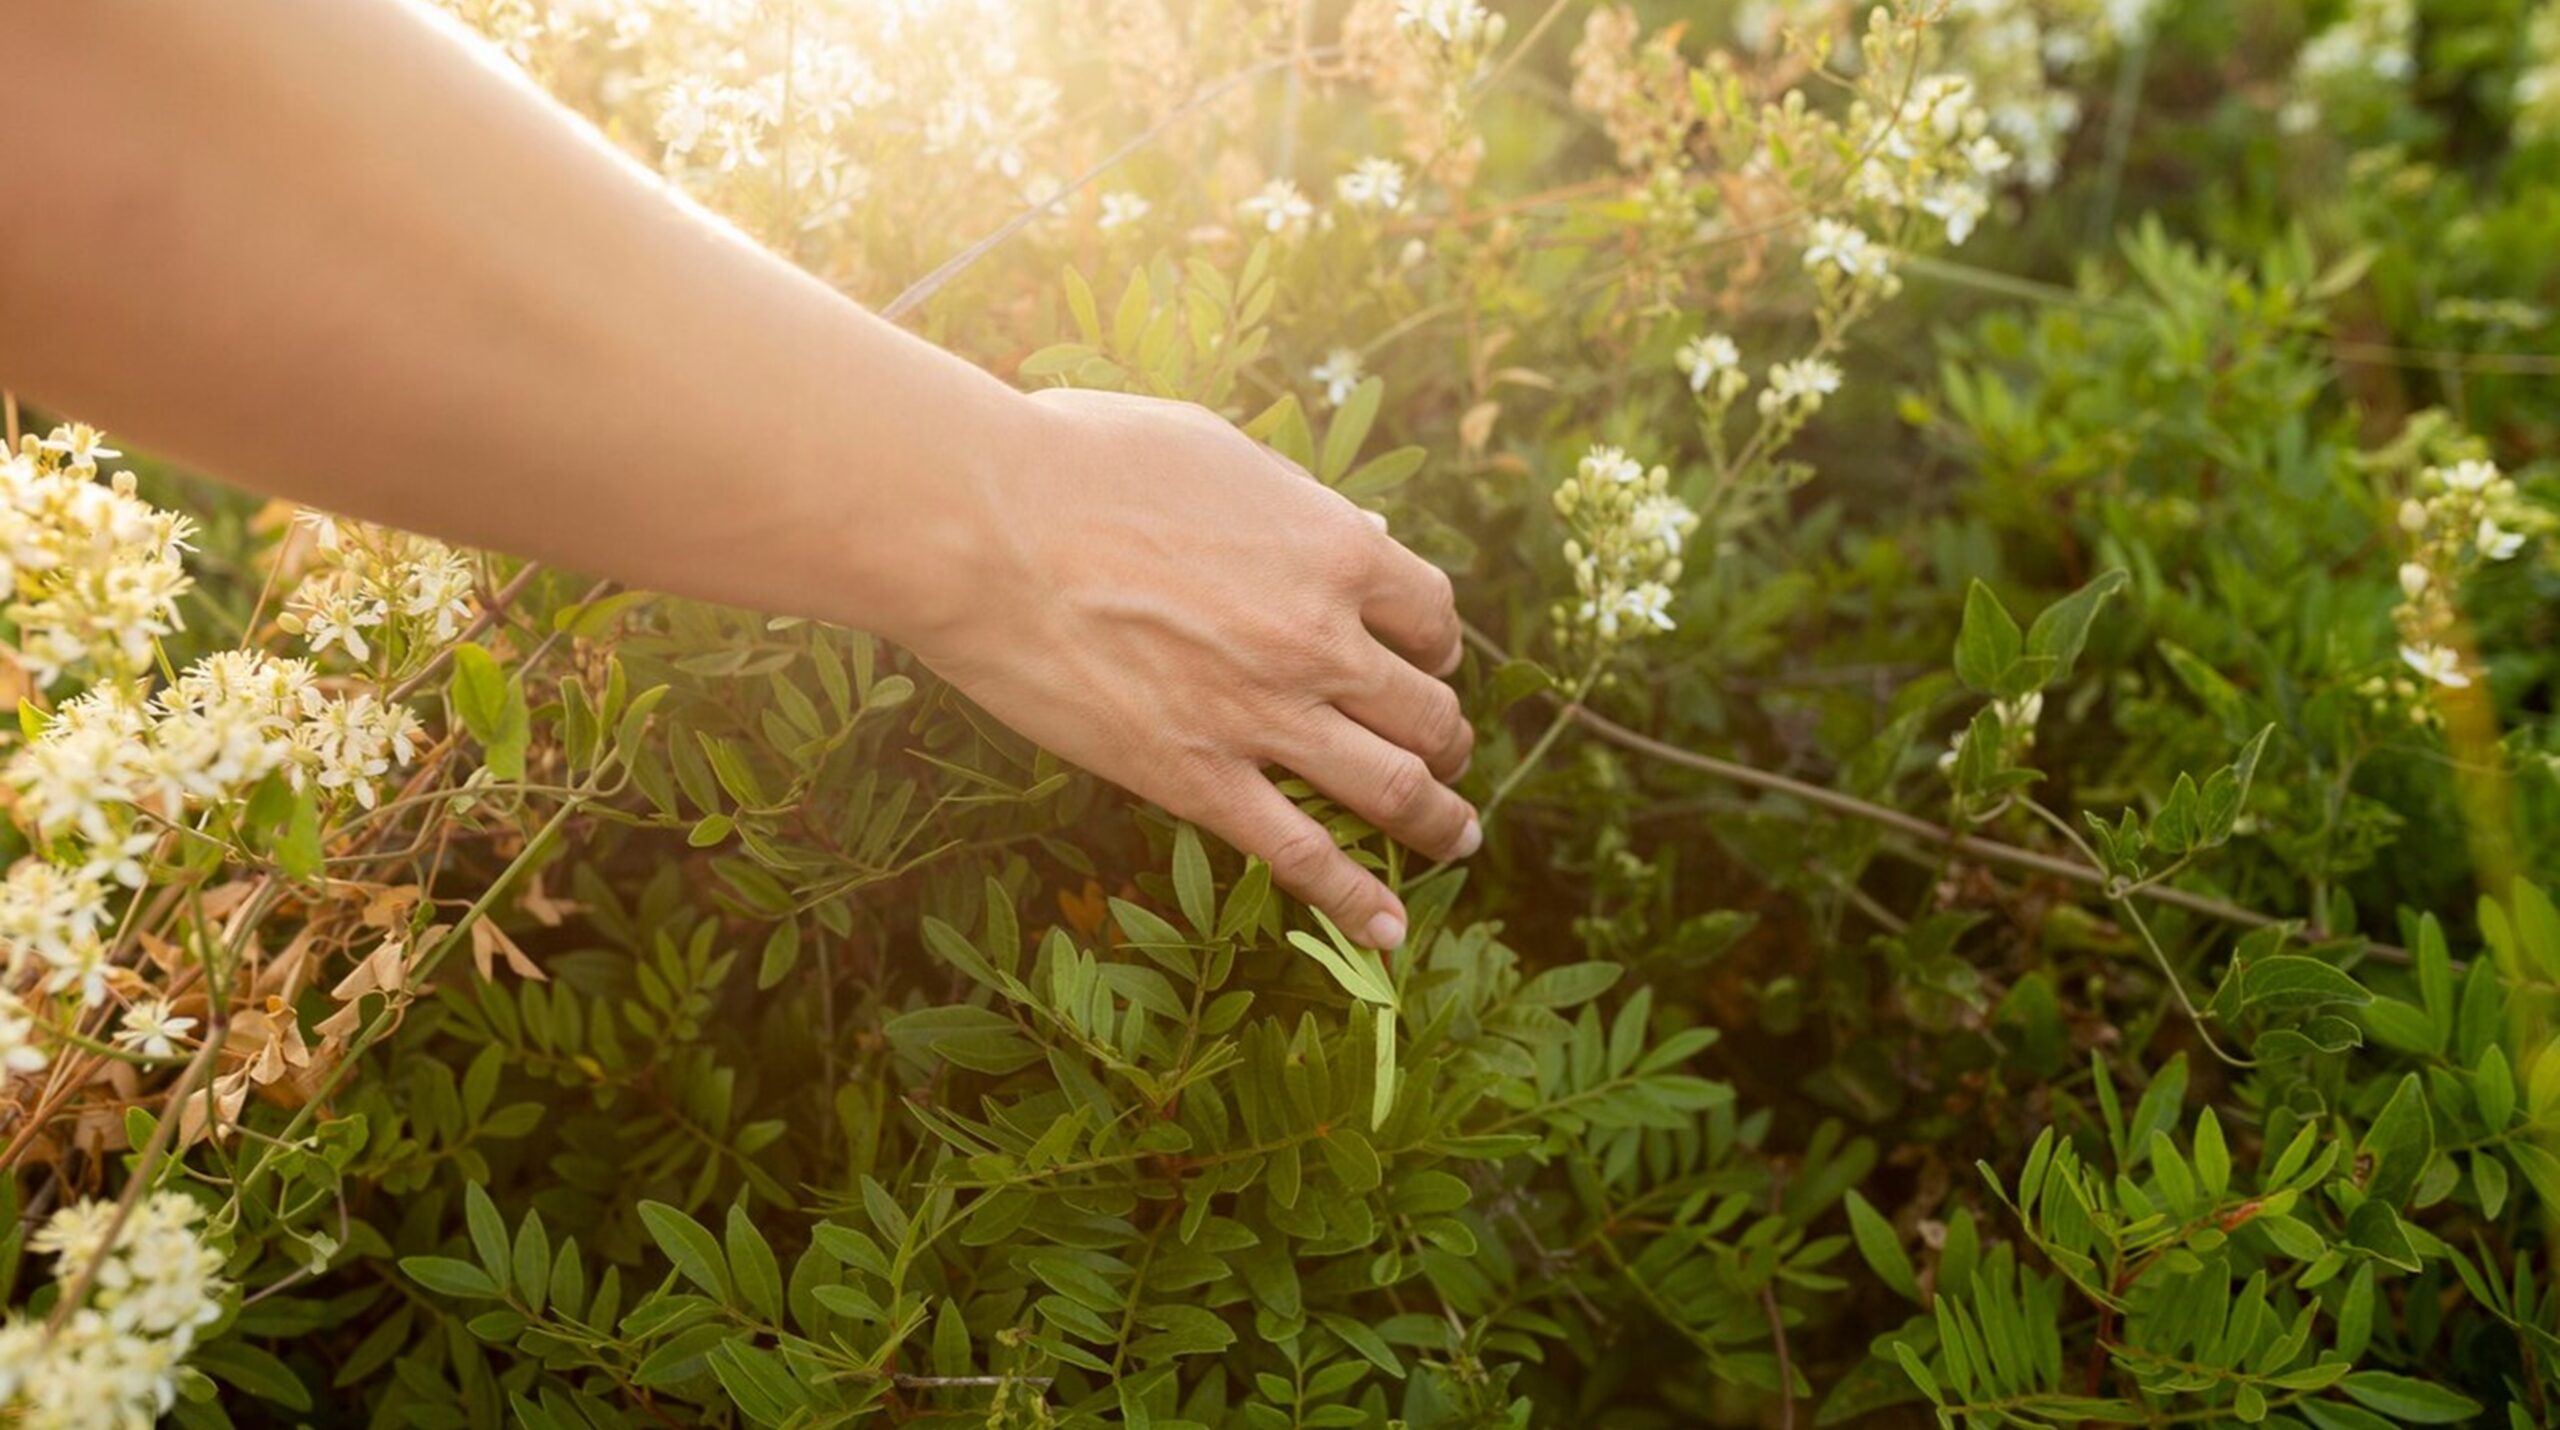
(2468, 476)
(1374, 183)
(1707, 357)
(2496, 543)
(1959, 205)
(1843, 246)
(19, 1051)
(2413, 579)
(1121, 208)
(2441, 664)
(1458, 24)
(1611, 465)
(1649, 604)
(1340, 373)
(2413, 516)
(80, 445)
(149, 1029)
(1278, 208)
(1799, 386)
(1664, 518)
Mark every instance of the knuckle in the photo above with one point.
(1405, 784)
(1444, 721)
(1442, 593)
(1300, 854)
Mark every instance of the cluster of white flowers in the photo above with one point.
(372, 578)
(1628, 531)
(113, 1363)
(94, 572)
(2537, 93)
(105, 771)
(1933, 152)
(2368, 51)
(2463, 515)
(1376, 182)
(1841, 255)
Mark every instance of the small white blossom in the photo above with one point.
(1121, 208)
(1279, 208)
(1799, 386)
(1373, 183)
(150, 1029)
(2413, 579)
(2441, 664)
(1339, 373)
(19, 1050)
(1707, 358)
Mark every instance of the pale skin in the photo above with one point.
(328, 250)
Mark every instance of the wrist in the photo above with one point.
(927, 474)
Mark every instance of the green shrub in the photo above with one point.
(2046, 929)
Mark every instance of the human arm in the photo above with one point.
(325, 249)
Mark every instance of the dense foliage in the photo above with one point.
(2014, 666)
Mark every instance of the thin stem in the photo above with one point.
(2121, 895)
(1974, 845)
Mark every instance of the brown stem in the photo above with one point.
(1988, 850)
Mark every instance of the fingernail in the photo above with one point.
(1377, 519)
(1449, 667)
(1386, 931)
(1471, 840)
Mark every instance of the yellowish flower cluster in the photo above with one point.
(94, 571)
(372, 581)
(113, 1363)
(2463, 515)
(1628, 530)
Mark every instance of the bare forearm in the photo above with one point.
(323, 249)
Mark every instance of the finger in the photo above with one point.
(1387, 785)
(1411, 606)
(1414, 710)
(1256, 818)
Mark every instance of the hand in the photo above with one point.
(1175, 607)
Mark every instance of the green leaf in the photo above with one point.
(488, 1231)
(2059, 634)
(2493, 1088)
(1572, 984)
(752, 1262)
(1350, 428)
(2213, 1157)
(1192, 885)
(450, 1277)
(1878, 1244)
(1359, 973)
(245, 1367)
(689, 1245)
(1989, 642)
(2399, 1143)
(2289, 981)
(491, 707)
(2405, 1398)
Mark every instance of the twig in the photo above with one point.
(1988, 850)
